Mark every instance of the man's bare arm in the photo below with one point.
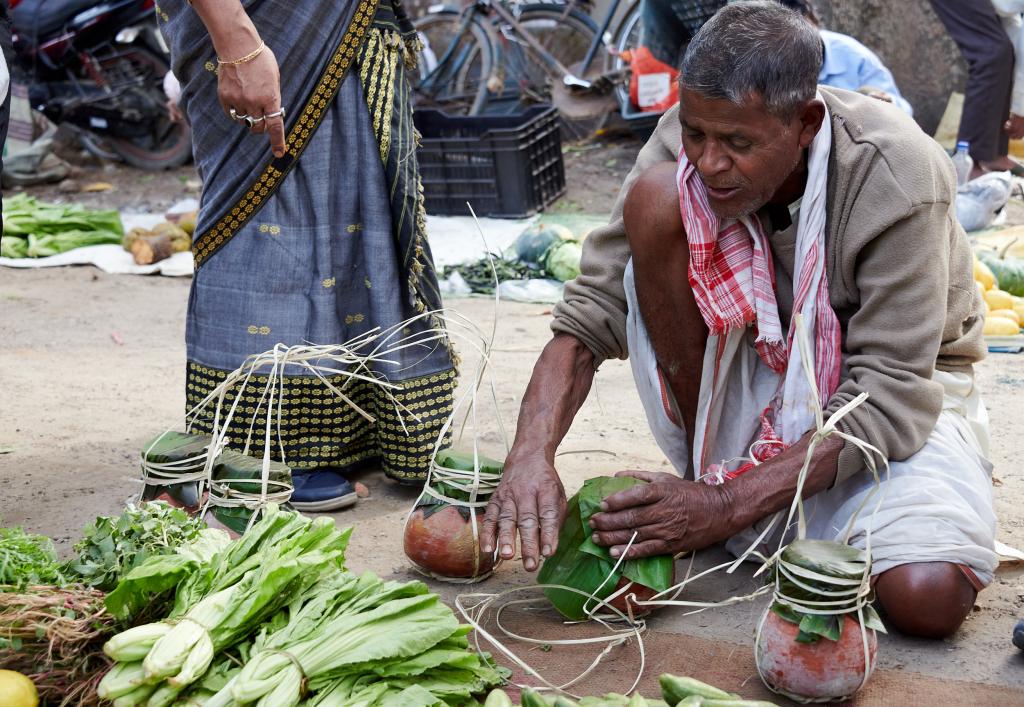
(531, 499)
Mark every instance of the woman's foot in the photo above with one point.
(321, 490)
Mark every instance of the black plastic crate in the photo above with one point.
(505, 166)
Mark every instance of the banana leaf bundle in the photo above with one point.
(817, 641)
(237, 479)
(809, 572)
(442, 534)
(172, 454)
(581, 564)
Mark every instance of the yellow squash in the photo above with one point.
(1001, 326)
(1008, 313)
(983, 274)
(997, 299)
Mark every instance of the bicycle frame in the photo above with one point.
(502, 21)
(442, 64)
(568, 78)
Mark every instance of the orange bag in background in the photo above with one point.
(652, 84)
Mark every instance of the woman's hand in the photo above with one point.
(253, 89)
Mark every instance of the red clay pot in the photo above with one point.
(442, 543)
(821, 670)
(641, 592)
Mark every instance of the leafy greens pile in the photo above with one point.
(111, 547)
(274, 614)
(34, 229)
(27, 559)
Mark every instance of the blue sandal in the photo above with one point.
(322, 490)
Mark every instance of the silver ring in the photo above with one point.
(252, 121)
(276, 114)
(235, 116)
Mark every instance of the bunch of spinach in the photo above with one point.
(112, 547)
(27, 559)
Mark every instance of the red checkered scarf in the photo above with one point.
(733, 280)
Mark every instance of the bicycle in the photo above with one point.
(499, 51)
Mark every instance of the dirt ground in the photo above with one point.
(91, 365)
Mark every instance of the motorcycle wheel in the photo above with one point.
(168, 144)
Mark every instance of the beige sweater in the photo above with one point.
(899, 272)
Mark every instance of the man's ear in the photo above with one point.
(810, 121)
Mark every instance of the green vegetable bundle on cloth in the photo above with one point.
(581, 564)
(34, 229)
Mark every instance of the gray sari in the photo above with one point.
(323, 244)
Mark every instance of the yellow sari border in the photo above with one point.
(309, 119)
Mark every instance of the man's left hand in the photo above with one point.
(669, 515)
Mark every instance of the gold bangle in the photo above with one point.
(245, 59)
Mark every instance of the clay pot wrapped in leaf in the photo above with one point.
(581, 564)
(816, 657)
(442, 534)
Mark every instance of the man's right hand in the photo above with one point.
(531, 500)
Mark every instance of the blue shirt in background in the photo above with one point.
(849, 64)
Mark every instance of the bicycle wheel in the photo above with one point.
(455, 64)
(565, 35)
(629, 35)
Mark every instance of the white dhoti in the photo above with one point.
(936, 506)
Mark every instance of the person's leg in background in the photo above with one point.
(978, 32)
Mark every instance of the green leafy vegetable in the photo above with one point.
(480, 277)
(34, 229)
(246, 612)
(111, 547)
(563, 261)
(27, 559)
(13, 247)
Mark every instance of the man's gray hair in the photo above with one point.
(755, 48)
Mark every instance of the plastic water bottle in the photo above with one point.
(963, 163)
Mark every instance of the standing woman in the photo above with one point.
(311, 227)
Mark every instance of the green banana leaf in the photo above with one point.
(177, 448)
(580, 563)
(831, 559)
(463, 461)
(234, 466)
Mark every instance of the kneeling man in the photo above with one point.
(766, 197)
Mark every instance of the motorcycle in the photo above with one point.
(99, 67)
